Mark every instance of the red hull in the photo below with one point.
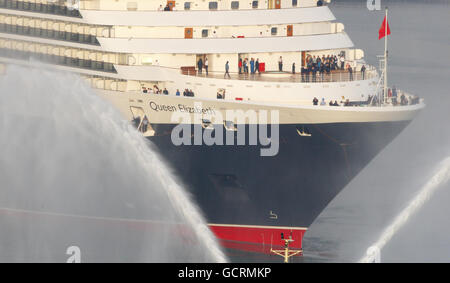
(257, 238)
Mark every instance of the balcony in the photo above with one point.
(58, 60)
(32, 6)
(49, 34)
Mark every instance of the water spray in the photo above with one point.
(441, 176)
(79, 183)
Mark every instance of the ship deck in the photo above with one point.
(276, 76)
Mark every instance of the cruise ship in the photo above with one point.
(264, 108)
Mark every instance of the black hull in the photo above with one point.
(235, 185)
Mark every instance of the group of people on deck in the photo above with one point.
(166, 8)
(201, 65)
(155, 89)
(244, 65)
(331, 103)
(322, 65)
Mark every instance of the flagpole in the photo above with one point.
(385, 56)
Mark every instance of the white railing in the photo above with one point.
(275, 76)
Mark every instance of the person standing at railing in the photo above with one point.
(342, 60)
(315, 101)
(363, 72)
(206, 65)
(350, 72)
(314, 73)
(280, 64)
(394, 91)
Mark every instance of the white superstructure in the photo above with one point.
(134, 48)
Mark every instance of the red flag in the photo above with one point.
(382, 31)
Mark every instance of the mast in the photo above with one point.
(385, 56)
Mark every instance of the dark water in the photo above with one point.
(419, 63)
(419, 49)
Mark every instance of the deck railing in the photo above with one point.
(35, 6)
(49, 34)
(58, 60)
(275, 76)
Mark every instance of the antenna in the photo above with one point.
(286, 253)
(385, 56)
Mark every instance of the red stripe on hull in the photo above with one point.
(257, 238)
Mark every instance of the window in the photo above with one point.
(255, 4)
(187, 5)
(205, 33)
(234, 5)
(213, 5)
(294, 3)
(273, 31)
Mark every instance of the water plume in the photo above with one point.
(74, 173)
(441, 177)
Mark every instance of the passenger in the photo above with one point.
(206, 65)
(314, 74)
(160, 8)
(315, 101)
(321, 71)
(342, 60)
(323, 103)
(227, 70)
(185, 92)
(177, 93)
(363, 71)
(252, 65)
(331, 103)
(394, 91)
(280, 64)
(144, 90)
(328, 68)
(167, 8)
(244, 66)
(347, 102)
(335, 103)
(350, 72)
(403, 100)
(200, 65)
(240, 65)
(165, 91)
(257, 65)
(293, 68)
(394, 101)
